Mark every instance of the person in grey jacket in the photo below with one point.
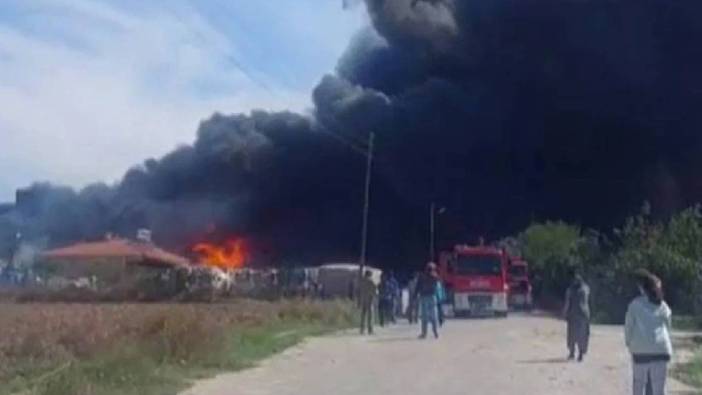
(577, 314)
(647, 334)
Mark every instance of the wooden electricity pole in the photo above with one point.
(432, 232)
(366, 205)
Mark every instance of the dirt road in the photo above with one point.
(518, 355)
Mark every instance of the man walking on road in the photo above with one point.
(367, 292)
(426, 292)
(577, 313)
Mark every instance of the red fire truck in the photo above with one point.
(476, 280)
(519, 285)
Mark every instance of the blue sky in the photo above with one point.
(89, 88)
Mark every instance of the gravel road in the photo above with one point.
(519, 355)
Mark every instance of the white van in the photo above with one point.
(338, 280)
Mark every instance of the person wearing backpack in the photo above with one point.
(426, 294)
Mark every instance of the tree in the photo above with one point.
(550, 246)
(671, 250)
(551, 249)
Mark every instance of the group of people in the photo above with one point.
(426, 293)
(647, 323)
(386, 296)
(647, 328)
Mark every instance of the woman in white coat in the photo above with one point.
(647, 332)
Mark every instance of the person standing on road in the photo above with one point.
(577, 314)
(367, 294)
(396, 296)
(440, 299)
(413, 307)
(426, 293)
(386, 304)
(647, 334)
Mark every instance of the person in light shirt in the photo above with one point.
(647, 334)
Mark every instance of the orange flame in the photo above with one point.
(229, 255)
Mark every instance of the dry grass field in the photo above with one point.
(53, 348)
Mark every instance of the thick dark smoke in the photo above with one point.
(504, 111)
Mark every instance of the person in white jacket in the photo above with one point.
(647, 333)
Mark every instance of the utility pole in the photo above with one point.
(366, 205)
(432, 231)
(11, 269)
(433, 212)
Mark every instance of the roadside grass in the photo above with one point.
(148, 349)
(688, 350)
(687, 322)
(690, 372)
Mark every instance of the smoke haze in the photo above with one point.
(503, 111)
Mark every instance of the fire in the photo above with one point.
(229, 255)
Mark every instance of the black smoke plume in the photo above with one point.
(504, 111)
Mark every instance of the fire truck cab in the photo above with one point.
(520, 296)
(476, 280)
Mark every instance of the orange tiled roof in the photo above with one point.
(116, 248)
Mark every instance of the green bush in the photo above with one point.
(672, 249)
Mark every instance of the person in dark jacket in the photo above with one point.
(413, 307)
(396, 297)
(577, 314)
(367, 295)
(386, 303)
(426, 294)
(440, 300)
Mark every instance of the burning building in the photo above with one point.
(229, 255)
(114, 264)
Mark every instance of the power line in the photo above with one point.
(358, 149)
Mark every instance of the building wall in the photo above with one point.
(108, 273)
